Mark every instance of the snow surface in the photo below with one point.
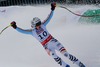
(20, 50)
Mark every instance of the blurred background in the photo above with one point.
(80, 35)
(34, 2)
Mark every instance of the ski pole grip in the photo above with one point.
(13, 24)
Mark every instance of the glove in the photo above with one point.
(53, 5)
(13, 24)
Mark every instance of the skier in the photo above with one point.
(49, 43)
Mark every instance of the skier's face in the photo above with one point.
(38, 27)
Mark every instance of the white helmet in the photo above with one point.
(35, 22)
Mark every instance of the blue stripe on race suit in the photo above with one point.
(24, 31)
(49, 18)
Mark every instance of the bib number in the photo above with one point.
(43, 35)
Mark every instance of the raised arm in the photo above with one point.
(53, 5)
(48, 18)
(13, 24)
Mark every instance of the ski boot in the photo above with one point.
(67, 66)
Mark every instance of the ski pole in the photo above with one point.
(78, 14)
(5, 28)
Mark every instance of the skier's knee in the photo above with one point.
(66, 54)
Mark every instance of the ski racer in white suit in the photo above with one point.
(49, 43)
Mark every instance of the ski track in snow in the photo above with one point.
(19, 50)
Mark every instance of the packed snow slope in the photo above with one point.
(20, 50)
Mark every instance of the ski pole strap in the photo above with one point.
(5, 28)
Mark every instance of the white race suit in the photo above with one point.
(49, 43)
